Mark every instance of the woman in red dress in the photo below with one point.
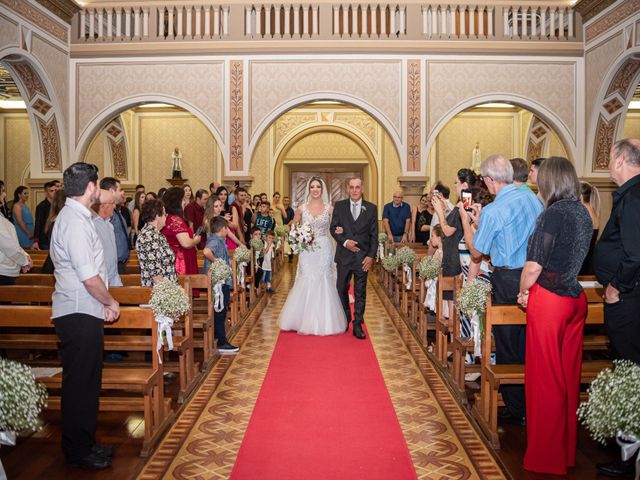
(179, 236)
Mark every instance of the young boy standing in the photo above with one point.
(257, 234)
(269, 249)
(215, 248)
(263, 220)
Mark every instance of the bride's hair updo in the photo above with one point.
(316, 179)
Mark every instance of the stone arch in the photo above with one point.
(612, 103)
(114, 110)
(300, 133)
(544, 114)
(292, 103)
(49, 152)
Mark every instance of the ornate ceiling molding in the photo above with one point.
(65, 9)
(34, 15)
(590, 8)
(620, 13)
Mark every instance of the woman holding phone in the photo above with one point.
(179, 235)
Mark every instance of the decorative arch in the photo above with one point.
(284, 107)
(107, 115)
(613, 101)
(299, 134)
(48, 138)
(544, 114)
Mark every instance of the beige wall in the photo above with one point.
(16, 140)
(96, 153)
(632, 125)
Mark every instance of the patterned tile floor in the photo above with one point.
(204, 441)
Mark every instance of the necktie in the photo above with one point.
(354, 210)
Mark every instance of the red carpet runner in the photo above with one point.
(323, 413)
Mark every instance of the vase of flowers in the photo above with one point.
(301, 238)
(21, 401)
(613, 408)
(219, 272)
(169, 302)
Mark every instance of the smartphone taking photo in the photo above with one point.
(466, 199)
(199, 230)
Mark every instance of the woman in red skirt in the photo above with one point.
(556, 311)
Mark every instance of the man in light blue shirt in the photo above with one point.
(104, 228)
(505, 226)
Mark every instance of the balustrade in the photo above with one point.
(369, 20)
(281, 21)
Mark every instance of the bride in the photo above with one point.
(313, 306)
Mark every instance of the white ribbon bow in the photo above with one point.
(629, 444)
(409, 272)
(476, 335)
(164, 326)
(430, 297)
(218, 305)
(380, 251)
(257, 258)
(241, 267)
(6, 438)
(278, 242)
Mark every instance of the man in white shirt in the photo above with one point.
(81, 304)
(13, 258)
(104, 227)
(443, 194)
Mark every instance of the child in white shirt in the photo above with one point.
(269, 251)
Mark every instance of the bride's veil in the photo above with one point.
(325, 192)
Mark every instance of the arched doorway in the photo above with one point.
(327, 138)
(631, 127)
(491, 128)
(135, 145)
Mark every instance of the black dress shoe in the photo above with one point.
(616, 469)
(104, 450)
(358, 332)
(93, 461)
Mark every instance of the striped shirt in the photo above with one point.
(506, 225)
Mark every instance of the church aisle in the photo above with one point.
(441, 441)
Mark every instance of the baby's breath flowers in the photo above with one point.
(169, 299)
(21, 398)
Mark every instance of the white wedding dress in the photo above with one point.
(313, 306)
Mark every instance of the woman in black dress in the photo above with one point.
(421, 219)
(590, 198)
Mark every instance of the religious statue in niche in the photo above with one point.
(177, 163)
(476, 158)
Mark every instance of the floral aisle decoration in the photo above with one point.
(258, 246)
(406, 256)
(613, 408)
(169, 302)
(390, 263)
(472, 302)
(301, 238)
(242, 256)
(21, 401)
(282, 232)
(382, 241)
(428, 271)
(219, 272)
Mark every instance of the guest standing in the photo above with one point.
(104, 228)
(57, 204)
(590, 198)
(194, 211)
(421, 217)
(503, 233)
(179, 236)
(237, 223)
(13, 259)
(40, 240)
(136, 221)
(290, 213)
(157, 259)
(5, 211)
(396, 219)
(81, 304)
(22, 217)
(223, 195)
(118, 222)
(556, 311)
(617, 256)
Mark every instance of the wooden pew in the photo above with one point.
(443, 325)
(485, 408)
(147, 381)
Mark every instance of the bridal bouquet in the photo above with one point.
(301, 238)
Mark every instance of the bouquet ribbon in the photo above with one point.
(408, 271)
(164, 326)
(6, 438)
(257, 258)
(241, 266)
(218, 305)
(380, 251)
(630, 445)
(476, 335)
(430, 297)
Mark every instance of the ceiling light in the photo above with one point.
(13, 104)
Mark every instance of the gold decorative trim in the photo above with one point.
(413, 115)
(34, 15)
(604, 141)
(236, 115)
(49, 139)
(620, 13)
(64, 9)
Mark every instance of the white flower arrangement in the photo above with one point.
(242, 254)
(613, 406)
(168, 299)
(390, 263)
(219, 271)
(301, 238)
(21, 398)
(429, 268)
(382, 238)
(282, 231)
(473, 299)
(406, 256)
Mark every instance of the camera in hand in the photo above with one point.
(466, 199)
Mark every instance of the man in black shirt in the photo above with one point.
(41, 242)
(617, 255)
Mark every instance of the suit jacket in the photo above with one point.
(364, 230)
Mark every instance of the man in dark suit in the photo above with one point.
(357, 243)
